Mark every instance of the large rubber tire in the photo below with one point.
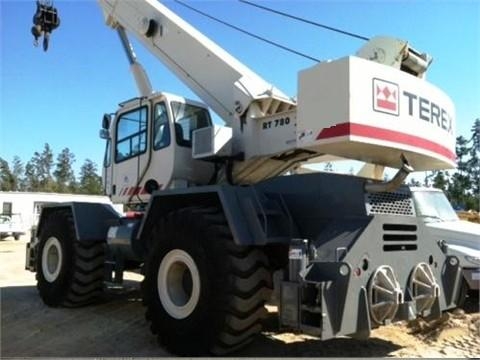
(226, 285)
(69, 272)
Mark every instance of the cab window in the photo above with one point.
(188, 118)
(131, 134)
(161, 130)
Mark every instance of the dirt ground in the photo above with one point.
(116, 327)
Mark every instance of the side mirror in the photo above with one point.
(106, 121)
(104, 134)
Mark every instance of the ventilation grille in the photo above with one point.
(390, 203)
(399, 237)
(212, 141)
(203, 142)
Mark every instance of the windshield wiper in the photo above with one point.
(433, 217)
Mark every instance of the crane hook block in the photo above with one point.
(45, 20)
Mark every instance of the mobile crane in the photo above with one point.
(220, 222)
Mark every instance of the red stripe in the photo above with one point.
(387, 104)
(384, 134)
(133, 190)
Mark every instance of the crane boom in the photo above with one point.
(221, 81)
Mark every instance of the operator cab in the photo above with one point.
(149, 147)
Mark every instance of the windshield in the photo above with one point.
(434, 206)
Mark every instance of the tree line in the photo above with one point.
(462, 186)
(44, 174)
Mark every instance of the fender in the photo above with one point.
(249, 212)
(91, 220)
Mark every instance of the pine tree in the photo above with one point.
(463, 190)
(63, 174)
(440, 180)
(18, 174)
(476, 134)
(473, 165)
(7, 181)
(38, 171)
(428, 179)
(414, 182)
(90, 182)
(31, 179)
(46, 164)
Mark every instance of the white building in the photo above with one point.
(27, 206)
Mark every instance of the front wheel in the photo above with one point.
(69, 272)
(204, 294)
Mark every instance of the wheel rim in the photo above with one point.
(384, 295)
(52, 259)
(178, 284)
(424, 287)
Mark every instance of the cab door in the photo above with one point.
(130, 152)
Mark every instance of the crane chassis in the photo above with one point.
(222, 224)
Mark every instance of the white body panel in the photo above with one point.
(463, 234)
(275, 134)
(343, 110)
(463, 240)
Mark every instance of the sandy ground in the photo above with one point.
(116, 327)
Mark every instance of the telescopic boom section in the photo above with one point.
(222, 82)
(141, 77)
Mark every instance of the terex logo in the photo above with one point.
(428, 111)
(385, 97)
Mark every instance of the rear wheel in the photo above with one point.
(204, 294)
(69, 272)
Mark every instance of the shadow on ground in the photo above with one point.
(117, 327)
(269, 344)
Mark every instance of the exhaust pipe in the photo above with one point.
(393, 184)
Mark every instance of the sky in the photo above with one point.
(59, 96)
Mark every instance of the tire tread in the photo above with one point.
(83, 278)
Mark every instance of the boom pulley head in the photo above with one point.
(45, 20)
